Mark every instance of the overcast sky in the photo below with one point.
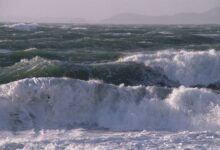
(100, 9)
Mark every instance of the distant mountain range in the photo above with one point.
(209, 17)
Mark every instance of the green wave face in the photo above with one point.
(91, 51)
(128, 73)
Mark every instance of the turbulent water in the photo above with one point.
(109, 87)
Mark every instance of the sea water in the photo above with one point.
(109, 87)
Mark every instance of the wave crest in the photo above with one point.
(23, 26)
(186, 67)
(66, 103)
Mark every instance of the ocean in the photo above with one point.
(65, 86)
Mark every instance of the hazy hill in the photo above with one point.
(209, 17)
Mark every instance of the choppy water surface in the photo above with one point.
(88, 86)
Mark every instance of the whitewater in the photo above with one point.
(67, 113)
(109, 87)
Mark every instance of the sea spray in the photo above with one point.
(52, 103)
(185, 67)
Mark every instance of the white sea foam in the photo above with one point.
(119, 34)
(22, 26)
(78, 139)
(186, 67)
(65, 27)
(39, 61)
(166, 33)
(31, 49)
(79, 28)
(208, 35)
(50, 103)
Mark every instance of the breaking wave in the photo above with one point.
(52, 103)
(128, 73)
(186, 67)
(22, 26)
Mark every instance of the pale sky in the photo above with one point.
(100, 9)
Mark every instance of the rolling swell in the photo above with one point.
(77, 56)
(107, 38)
(51, 103)
(128, 73)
